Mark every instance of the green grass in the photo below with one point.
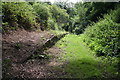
(82, 62)
(57, 32)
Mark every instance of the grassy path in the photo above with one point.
(82, 62)
(68, 58)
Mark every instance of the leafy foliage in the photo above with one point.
(103, 36)
(98, 9)
(59, 15)
(18, 14)
(51, 16)
(99, 23)
(0, 7)
(82, 21)
(83, 14)
(42, 13)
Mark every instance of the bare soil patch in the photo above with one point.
(19, 45)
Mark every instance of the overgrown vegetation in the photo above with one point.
(103, 36)
(18, 15)
(30, 15)
(97, 22)
(83, 63)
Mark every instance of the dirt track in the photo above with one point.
(33, 68)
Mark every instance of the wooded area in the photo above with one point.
(90, 47)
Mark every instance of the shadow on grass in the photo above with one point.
(85, 68)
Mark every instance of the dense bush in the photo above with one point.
(82, 21)
(18, 15)
(28, 15)
(59, 15)
(71, 11)
(103, 36)
(77, 16)
(50, 16)
(98, 9)
(43, 13)
(0, 7)
(83, 14)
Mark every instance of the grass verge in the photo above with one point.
(82, 62)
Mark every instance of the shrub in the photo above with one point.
(51, 23)
(103, 36)
(43, 13)
(18, 14)
(59, 15)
